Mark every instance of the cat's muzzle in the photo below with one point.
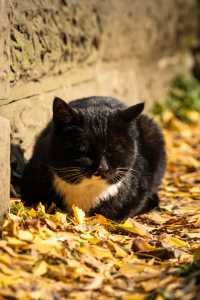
(103, 168)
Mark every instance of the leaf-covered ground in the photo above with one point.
(153, 256)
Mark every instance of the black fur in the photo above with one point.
(98, 136)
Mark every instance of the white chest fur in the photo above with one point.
(86, 194)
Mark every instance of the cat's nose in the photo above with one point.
(103, 167)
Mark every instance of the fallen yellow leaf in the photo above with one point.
(134, 227)
(40, 268)
(15, 242)
(171, 241)
(119, 251)
(96, 251)
(159, 298)
(134, 297)
(140, 244)
(25, 235)
(79, 215)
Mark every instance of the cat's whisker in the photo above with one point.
(121, 173)
(70, 173)
(117, 178)
(66, 169)
(127, 170)
(67, 176)
(74, 177)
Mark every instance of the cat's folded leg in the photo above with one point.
(147, 203)
(110, 210)
(115, 209)
(151, 202)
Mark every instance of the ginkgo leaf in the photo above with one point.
(79, 215)
(96, 251)
(119, 251)
(25, 235)
(134, 297)
(171, 241)
(40, 268)
(134, 227)
(140, 244)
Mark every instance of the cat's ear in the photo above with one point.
(62, 112)
(132, 112)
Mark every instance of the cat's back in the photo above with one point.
(152, 147)
(150, 131)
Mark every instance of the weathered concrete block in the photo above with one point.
(4, 167)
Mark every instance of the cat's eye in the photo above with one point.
(116, 150)
(113, 153)
(75, 150)
(82, 149)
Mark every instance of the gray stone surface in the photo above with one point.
(4, 50)
(4, 167)
(129, 49)
(50, 37)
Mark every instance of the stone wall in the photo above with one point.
(4, 51)
(4, 168)
(130, 49)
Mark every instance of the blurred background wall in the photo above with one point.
(130, 49)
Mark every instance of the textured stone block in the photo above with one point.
(4, 49)
(4, 167)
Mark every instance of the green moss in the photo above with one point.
(183, 97)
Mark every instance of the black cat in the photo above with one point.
(98, 155)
